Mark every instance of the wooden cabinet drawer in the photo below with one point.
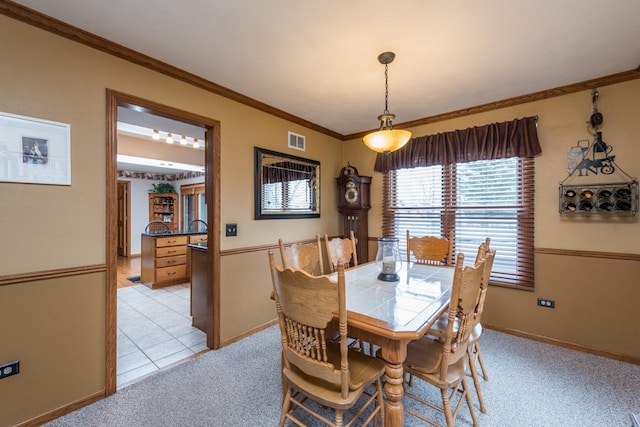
(171, 251)
(171, 261)
(171, 273)
(198, 238)
(171, 241)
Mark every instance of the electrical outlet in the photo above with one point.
(544, 302)
(9, 369)
(232, 230)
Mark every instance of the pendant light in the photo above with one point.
(386, 139)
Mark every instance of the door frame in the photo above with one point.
(117, 99)
(127, 215)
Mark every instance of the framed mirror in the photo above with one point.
(285, 186)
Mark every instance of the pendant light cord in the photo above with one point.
(386, 89)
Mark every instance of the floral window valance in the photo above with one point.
(517, 138)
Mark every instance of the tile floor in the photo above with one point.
(154, 330)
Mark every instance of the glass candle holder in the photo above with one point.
(388, 259)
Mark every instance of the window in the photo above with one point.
(474, 200)
(287, 196)
(193, 204)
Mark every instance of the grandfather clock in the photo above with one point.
(354, 205)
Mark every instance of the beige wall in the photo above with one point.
(56, 327)
(596, 298)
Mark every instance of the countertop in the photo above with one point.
(174, 233)
(201, 246)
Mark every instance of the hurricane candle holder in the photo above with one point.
(388, 259)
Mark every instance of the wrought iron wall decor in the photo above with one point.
(618, 197)
(595, 158)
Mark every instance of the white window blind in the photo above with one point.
(490, 198)
(287, 196)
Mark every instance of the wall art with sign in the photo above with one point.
(34, 151)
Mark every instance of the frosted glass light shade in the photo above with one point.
(387, 140)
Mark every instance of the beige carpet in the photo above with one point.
(531, 384)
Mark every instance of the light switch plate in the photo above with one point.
(232, 230)
(9, 369)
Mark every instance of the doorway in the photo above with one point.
(212, 198)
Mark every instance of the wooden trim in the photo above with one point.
(578, 347)
(249, 249)
(52, 25)
(588, 254)
(63, 410)
(169, 366)
(213, 162)
(35, 276)
(547, 251)
(249, 332)
(111, 291)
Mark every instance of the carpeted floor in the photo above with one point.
(531, 384)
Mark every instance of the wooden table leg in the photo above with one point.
(394, 353)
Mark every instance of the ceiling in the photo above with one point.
(317, 60)
(141, 125)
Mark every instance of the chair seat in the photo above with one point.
(423, 359)
(439, 326)
(363, 369)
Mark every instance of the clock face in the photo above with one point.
(351, 192)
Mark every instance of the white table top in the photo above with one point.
(404, 305)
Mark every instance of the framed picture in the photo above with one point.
(34, 151)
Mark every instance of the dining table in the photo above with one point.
(392, 314)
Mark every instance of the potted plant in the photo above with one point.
(162, 187)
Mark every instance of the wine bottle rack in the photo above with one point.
(609, 198)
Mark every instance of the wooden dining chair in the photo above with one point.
(197, 226)
(430, 250)
(474, 352)
(303, 256)
(157, 227)
(314, 367)
(341, 251)
(443, 363)
(486, 256)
